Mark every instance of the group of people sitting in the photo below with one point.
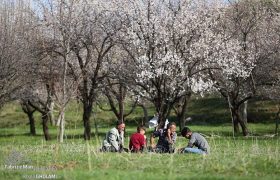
(114, 140)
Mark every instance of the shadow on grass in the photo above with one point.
(54, 135)
(19, 134)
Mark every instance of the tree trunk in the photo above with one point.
(96, 127)
(51, 115)
(277, 121)
(61, 125)
(163, 114)
(86, 120)
(181, 117)
(45, 126)
(145, 114)
(29, 111)
(237, 120)
(50, 103)
(120, 114)
(121, 103)
(244, 107)
(32, 124)
(244, 128)
(181, 111)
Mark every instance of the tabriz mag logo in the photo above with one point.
(17, 160)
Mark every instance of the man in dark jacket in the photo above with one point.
(167, 139)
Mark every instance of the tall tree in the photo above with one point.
(242, 21)
(15, 31)
(171, 46)
(116, 88)
(84, 32)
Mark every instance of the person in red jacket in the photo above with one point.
(138, 140)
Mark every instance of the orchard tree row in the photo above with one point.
(137, 51)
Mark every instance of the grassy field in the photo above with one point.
(254, 157)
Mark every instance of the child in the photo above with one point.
(137, 140)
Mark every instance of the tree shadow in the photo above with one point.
(17, 135)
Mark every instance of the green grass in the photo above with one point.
(253, 157)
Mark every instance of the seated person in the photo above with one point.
(113, 141)
(195, 139)
(166, 141)
(138, 140)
